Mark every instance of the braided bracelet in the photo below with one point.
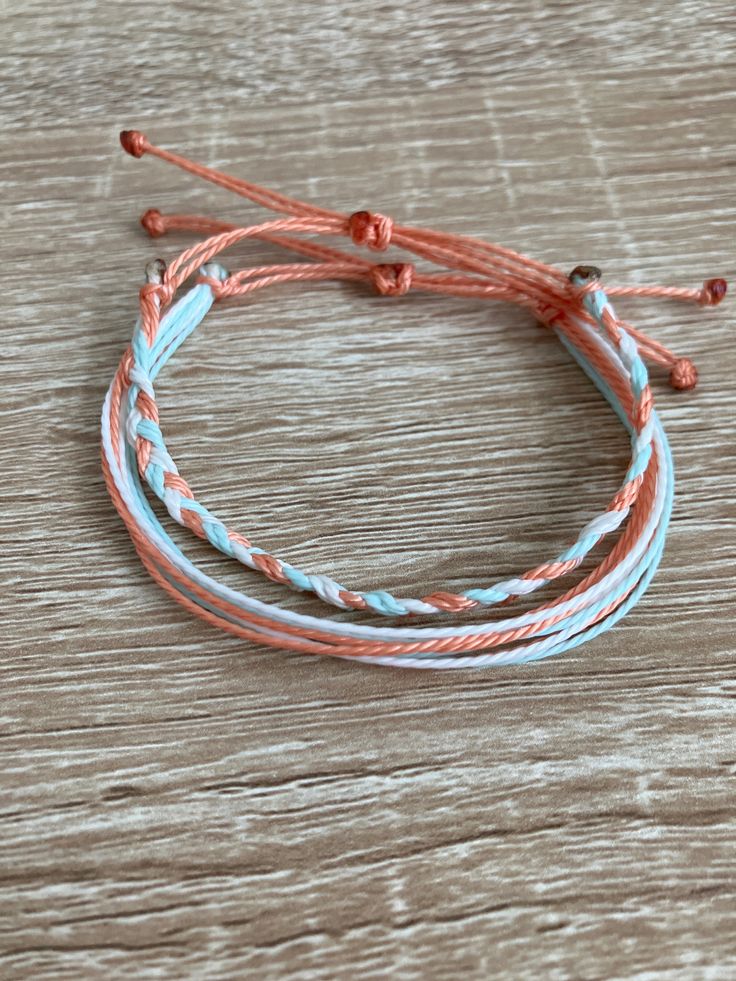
(576, 307)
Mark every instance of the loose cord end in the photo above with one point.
(134, 142)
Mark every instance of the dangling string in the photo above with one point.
(576, 306)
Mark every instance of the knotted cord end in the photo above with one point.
(153, 222)
(684, 375)
(713, 291)
(134, 142)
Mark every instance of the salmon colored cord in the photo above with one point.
(137, 461)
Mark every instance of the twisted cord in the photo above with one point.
(576, 307)
(160, 471)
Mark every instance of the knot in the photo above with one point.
(684, 374)
(713, 292)
(369, 229)
(221, 288)
(218, 279)
(392, 278)
(163, 291)
(133, 142)
(153, 222)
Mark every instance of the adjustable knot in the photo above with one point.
(713, 292)
(133, 142)
(219, 280)
(153, 222)
(392, 278)
(372, 230)
(684, 374)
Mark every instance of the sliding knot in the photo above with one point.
(133, 142)
(392, 278)
(153, 222)
(713, 292)
(220, 287)
(372, 230)
(684, 374)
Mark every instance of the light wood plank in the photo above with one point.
(178, 804)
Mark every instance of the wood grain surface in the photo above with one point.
(177, 804)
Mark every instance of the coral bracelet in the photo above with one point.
(577, 307)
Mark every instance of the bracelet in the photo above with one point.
(576, 307)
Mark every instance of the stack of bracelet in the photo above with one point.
(576, 307)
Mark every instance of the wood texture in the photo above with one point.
(176, 804)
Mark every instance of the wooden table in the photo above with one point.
(177, 804)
